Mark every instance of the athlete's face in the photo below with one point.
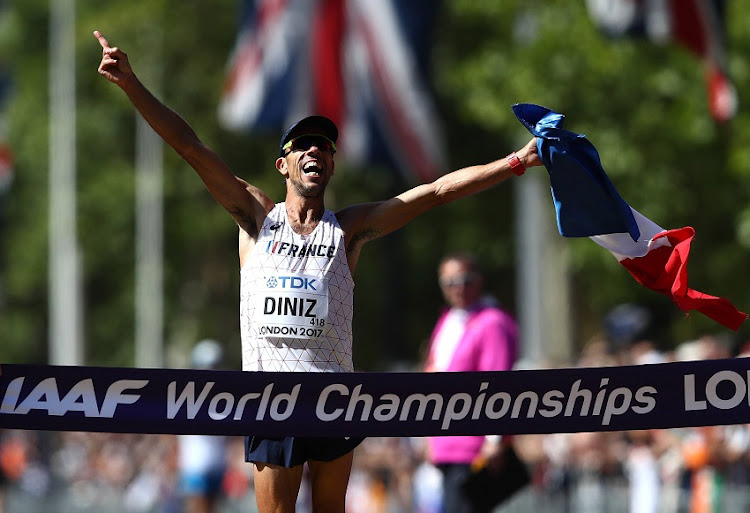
(308, 165)
(460, 284)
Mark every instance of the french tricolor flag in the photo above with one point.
(588, 205)
(658, 260)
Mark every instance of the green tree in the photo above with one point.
(642, 105)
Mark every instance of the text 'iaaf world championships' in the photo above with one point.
(596, 403)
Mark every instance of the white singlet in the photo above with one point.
(296, 299)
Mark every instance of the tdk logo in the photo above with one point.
(291, 282)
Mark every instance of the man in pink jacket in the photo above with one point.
(473, 334)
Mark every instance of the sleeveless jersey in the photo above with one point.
(296, 299)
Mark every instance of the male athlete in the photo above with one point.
(297, 261)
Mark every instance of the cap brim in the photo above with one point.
(311, 125)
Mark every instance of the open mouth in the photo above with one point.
(312, 169)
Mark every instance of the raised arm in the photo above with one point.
(372, 220)
(246, 203)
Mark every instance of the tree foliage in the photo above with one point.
(642, 105)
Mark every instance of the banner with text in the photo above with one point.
(129, 400)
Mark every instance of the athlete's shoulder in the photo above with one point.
(354, 220)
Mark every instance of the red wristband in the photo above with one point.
(515, 164)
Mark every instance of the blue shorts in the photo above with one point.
(291, 451)
(201, 483)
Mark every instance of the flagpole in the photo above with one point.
(65, 312)
(543, 292)
(149, 302)
(529, 267)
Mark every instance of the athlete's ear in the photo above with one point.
(282, 167)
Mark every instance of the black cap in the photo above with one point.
(311, 125)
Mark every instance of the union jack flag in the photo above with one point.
(362, 63)
(6, 155)
(697, 25)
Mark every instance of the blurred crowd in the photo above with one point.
(700, 470)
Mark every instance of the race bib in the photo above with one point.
(292, 305)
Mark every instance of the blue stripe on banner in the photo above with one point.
(684, 394)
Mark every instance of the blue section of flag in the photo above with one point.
(4, 87)
(586, 201)
(418, 19)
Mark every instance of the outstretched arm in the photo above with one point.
(369, 221)
(246, 203)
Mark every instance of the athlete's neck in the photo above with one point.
(304, 216)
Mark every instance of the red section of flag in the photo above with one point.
(722, 96)
(327, 44)
(6, 167)
(689, 26)
(664, 270)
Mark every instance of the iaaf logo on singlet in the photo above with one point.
(305, 250)
(291, 282)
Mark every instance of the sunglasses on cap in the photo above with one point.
(305, 142)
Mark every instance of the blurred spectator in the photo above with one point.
(4, 477)
(471, 334)
(13, 456)
(427, 487)
(597, 353)
(642, 470)
(20, 462)
(382, 472)
(238, 481)
(625, 324)
(202, 459)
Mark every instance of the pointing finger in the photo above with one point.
(102, 40)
